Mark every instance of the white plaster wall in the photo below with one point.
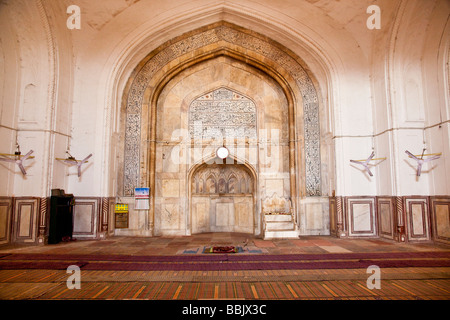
(8, 95)
(24, 96)
(416, 102)
(35, 95)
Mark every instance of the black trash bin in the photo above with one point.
(61, 216)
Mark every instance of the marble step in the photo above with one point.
(281, 234)
(277, 217)
(280, 225)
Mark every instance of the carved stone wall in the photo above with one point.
(225, 36)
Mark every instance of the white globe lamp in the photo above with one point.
(222, 152)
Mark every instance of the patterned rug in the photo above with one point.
(223, 249)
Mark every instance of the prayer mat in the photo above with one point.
(222, 249)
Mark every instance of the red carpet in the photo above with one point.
(226, 261)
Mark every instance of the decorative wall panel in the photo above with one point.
(243, 211)
(200, 215)
(386, 217)
(224, 216)
(398, 218)
(5, 219)
(440, 218)
(26, 212)
(313, 220)
(170, 188)
(86, 214)
(361, 216)
(170, 216)
(132, 153)
(417, 218)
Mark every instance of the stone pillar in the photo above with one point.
(400, 235)
(340, 226)
(104, 218)
(42, 229)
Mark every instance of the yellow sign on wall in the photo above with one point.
(121, 208)
(121, 211)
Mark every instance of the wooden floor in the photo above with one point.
(398, 283)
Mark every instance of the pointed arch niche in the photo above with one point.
(222, 197)
(222, 191)
(160, 149)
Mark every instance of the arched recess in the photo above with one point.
(216, 210)
(221, 39)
